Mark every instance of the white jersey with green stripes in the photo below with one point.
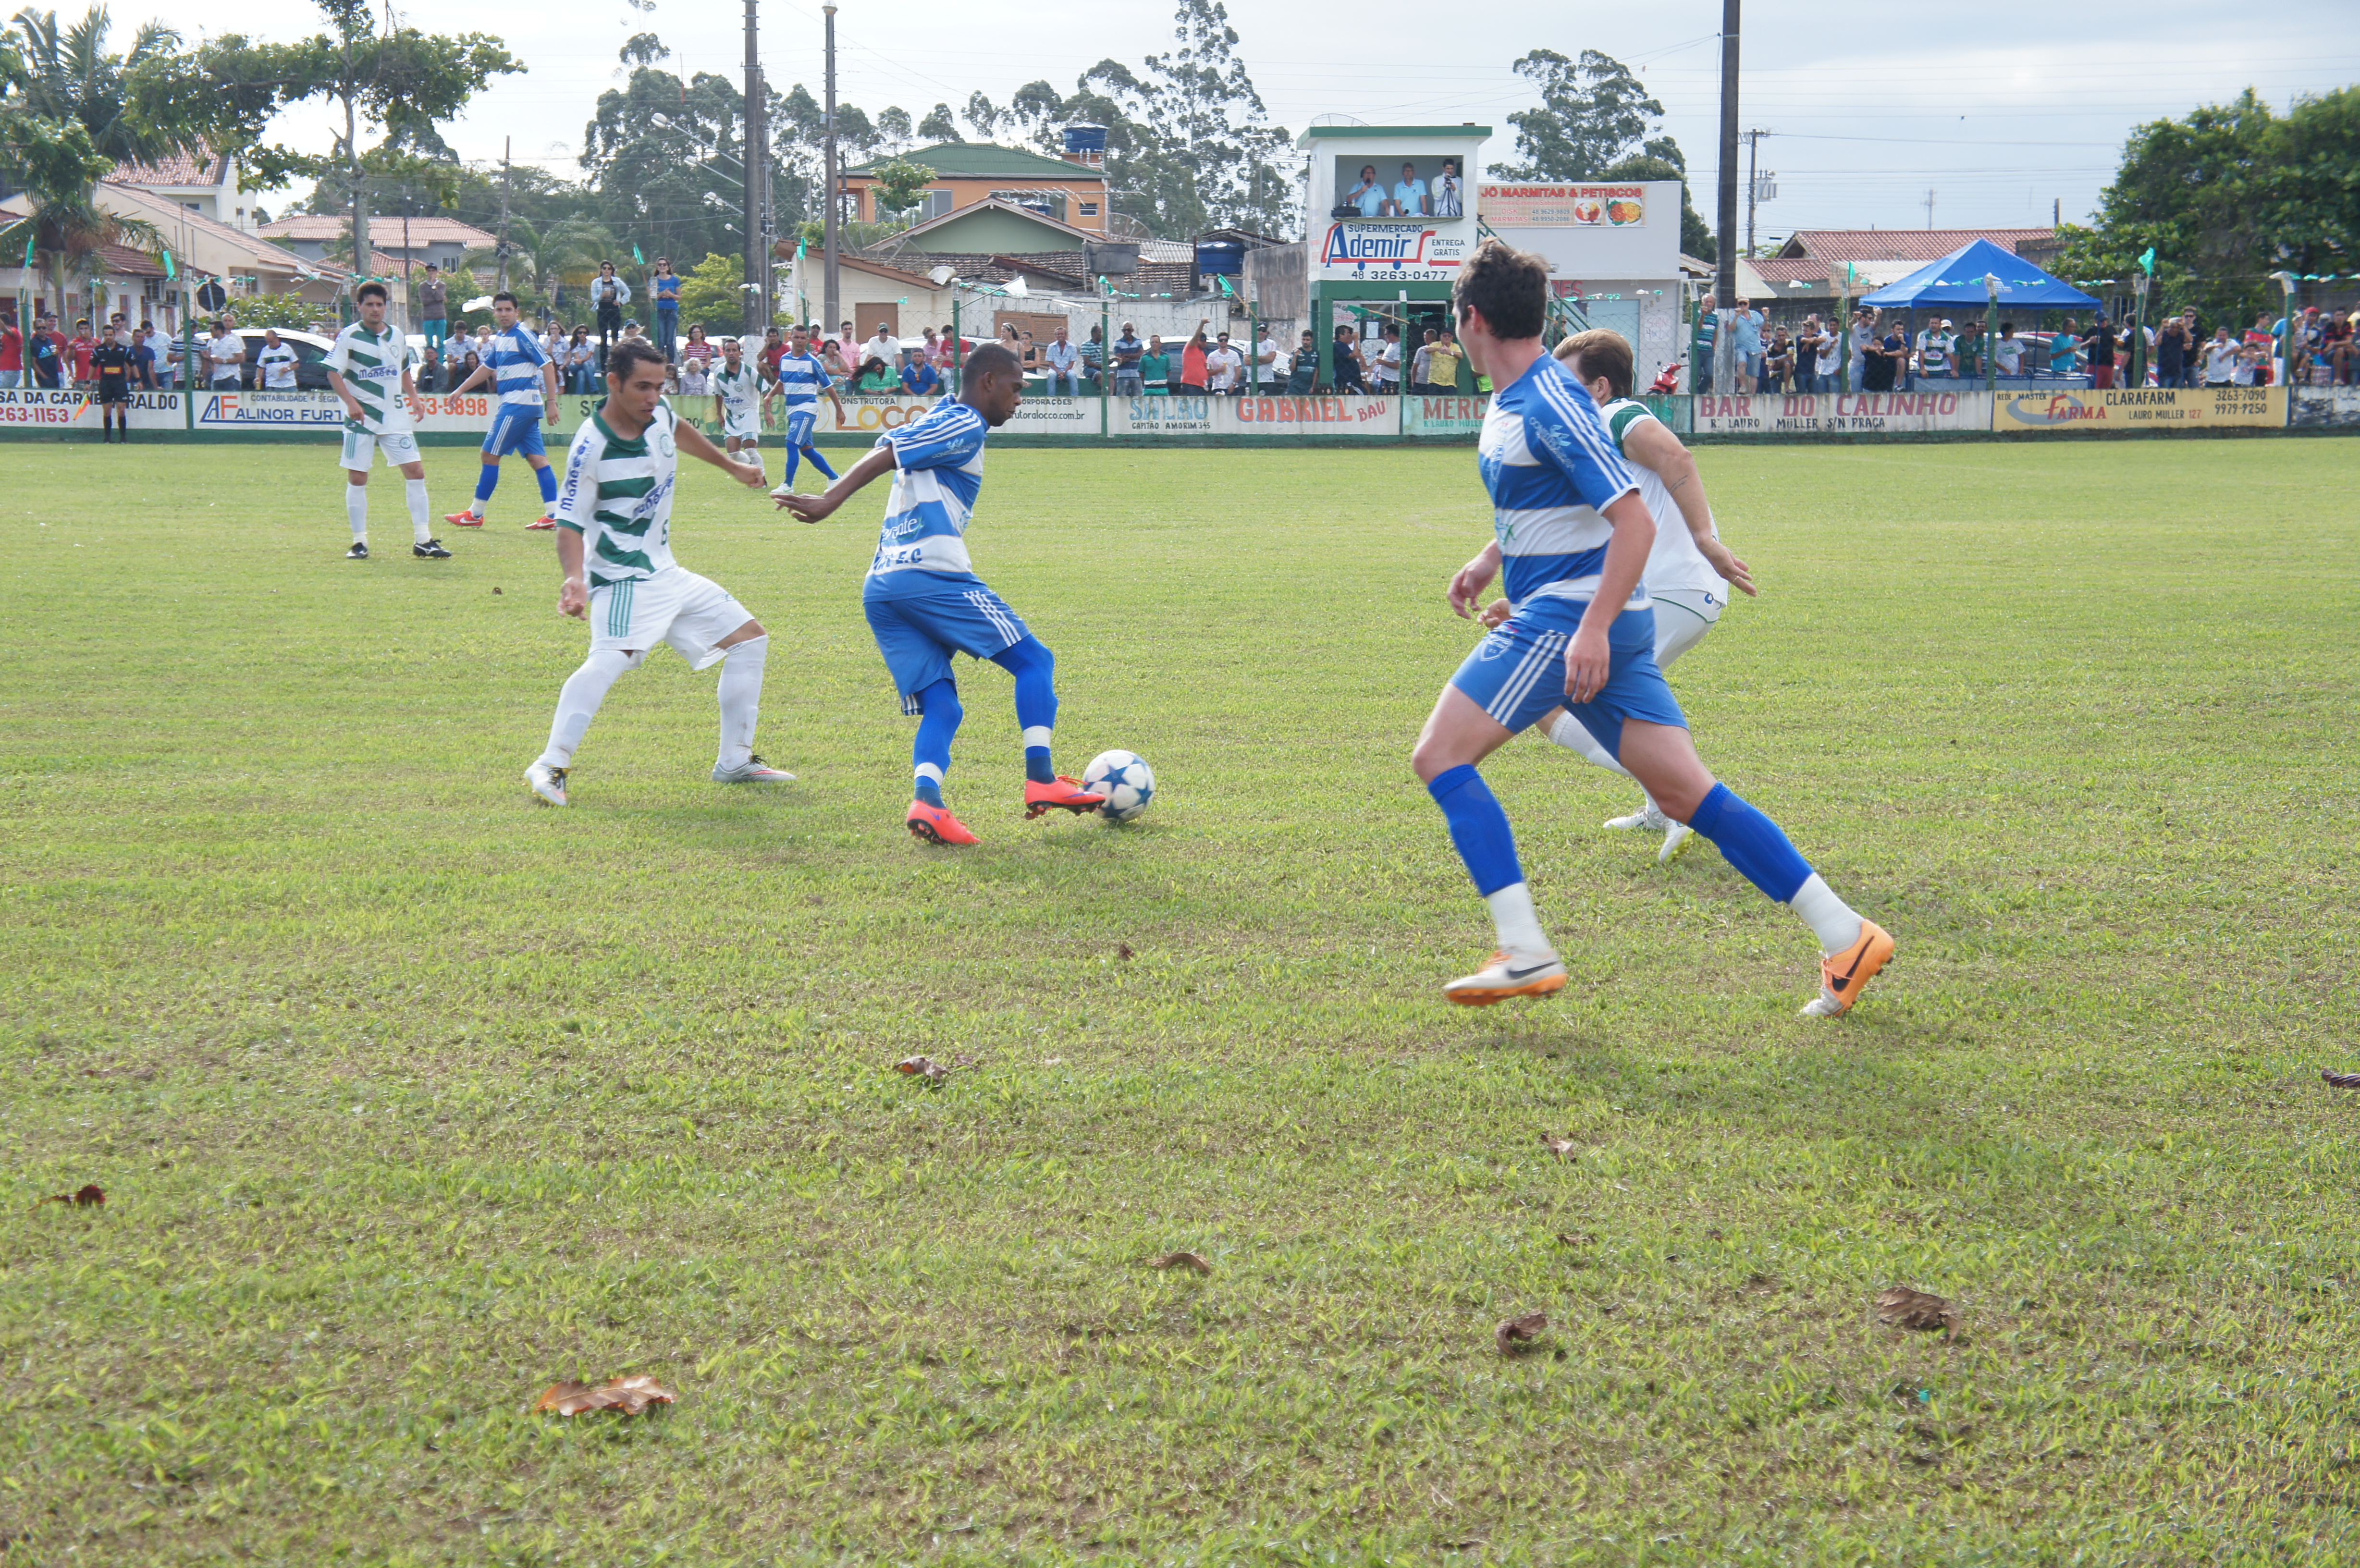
(1675, 562)
(618, 496)
(740, 390)
(371, 364)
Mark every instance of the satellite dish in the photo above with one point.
(1017, 287)
(941, 274)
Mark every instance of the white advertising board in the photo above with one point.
(1841, 413)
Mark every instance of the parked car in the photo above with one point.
(310, 358)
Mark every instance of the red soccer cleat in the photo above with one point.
(1060, 794)
(936, 825)
(463, 520)
(540, 523)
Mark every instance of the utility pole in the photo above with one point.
(828, 291)
(758, 260)
(508, 182)
(1725, 218)
(1929, 208)
(1753, 182)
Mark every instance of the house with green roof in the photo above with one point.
(1071, 192)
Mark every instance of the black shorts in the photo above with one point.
(113, 391)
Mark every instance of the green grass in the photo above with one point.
(410, 1097)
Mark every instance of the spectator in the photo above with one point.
(1265, 357)
(931, 347)
(774, 349)
(2007, 350)
(1409, 195)
(429, 375)
(118, 331)
(1192, 362)
(1127, 353)
(608, 294)
(1746, 345)
(433, 308)
(2252, 366)
(1449, 195)
(1421, 363)
(2261, 335)
(697, 351)
(168, 360)
(44, 353)
(1967, 360)
(143, 361)
(2064, 345)
(1369, 196)
(1886, 357)
(876, 377)
(2100, 347)
(1094, 362)
(1807, 356)
(274, 363)
(1934, 346)
(580, 357)
(2335, 347)
(947, 354)
(1777, 361)
(12, 353)
(1386, 363)
(1155, 368)
(1303, 374)
(919, 378)
(832, 357)
(225, 352)
(1061, 357)
(1351, 369)
(78, 349)
(1707, 328)
(1029, 356)
(2171, 346)
(882, 345)
(1224, 369)
(1443, 362)
(469, 363)
(664, 289)
(2221, 357)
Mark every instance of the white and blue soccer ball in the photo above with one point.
(1126, 781)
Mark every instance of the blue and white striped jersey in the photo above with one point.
(802, 378)
(516, 358)
(1552, 471)
(938, 472)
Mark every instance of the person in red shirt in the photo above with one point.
(1192, 364)
(78, 352)
(12, 355)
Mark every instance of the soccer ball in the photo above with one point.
(1126, 781)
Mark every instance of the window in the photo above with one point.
(1089, 208)
(938, 204)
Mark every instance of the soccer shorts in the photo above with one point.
(917, 634)
(1682, 617)
(113, 391)
(362, 447)
(1517, 673)
(801, 423)
(515, 432)
(675, 605)
(741, 424)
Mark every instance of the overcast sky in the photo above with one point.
(1870, 111)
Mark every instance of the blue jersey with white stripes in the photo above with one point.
(1552, 470)
(802, 378)
(937, 475)
(516, 358)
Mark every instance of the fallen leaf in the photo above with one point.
(91, 1196)
(1122, 949)
(1183, 1260)
(923, 1067)
(628, 1394)
(963, 1061)
(1560, 1146)
(1568, 1239)
(1904, 1308)
(2341, 1079)
(495, 590)
(1520, 1330)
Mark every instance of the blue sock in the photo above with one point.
(485, 484)
(1479, 827)
(818, 462)
(930, 754)
(1035, 668)
(1752, 843)
(794, 456)
(548, 477)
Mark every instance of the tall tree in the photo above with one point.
(940, 125)
(666, 159)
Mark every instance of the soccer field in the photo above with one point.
(410, 1097)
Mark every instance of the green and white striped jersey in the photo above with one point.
(740, 392)
(618, 496)
(371, 364)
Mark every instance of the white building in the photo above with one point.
(205, 183)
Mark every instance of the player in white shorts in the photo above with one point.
(614, 541)
(1689, 571)
(738, 401)
(369, 369)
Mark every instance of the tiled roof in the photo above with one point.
(382, 229)
(1899, 244)
(989, 160)
(166, 211)
(122, 261)
(180, 168)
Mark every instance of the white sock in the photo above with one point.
(1835, 921)
(741, 699)
(577, 702)
(357, 508)
(1568, 733)
(414, 491)
(1519, 929)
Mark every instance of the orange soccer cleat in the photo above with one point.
(1060, 794)
(1842, 977)
(936, 825)
(540, 523)
(1505, 976)
(467, 519)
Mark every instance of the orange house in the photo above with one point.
(1067, 189)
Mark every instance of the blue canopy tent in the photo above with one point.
(1957, 280)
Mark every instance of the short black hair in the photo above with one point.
(1509, 288)
(630, 354)
(993, 359)
(366, 289)
(504, 294)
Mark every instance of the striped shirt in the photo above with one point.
(617, 496)
(1675, 562)
(1552, 471)
(740, 390)
(516, 358)
(371, 364)
(802, 378)
(937, 475)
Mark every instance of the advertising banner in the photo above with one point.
(1841, 413)
(2317, 406)
(26, 408)
(1255, 415)
(1394, 250)
(1562, 206)
(1463, 417)
(2142, 409)
(1165, 416)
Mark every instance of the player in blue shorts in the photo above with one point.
(524, 384)
(802, 378)
(925, 603)
(1573, 534)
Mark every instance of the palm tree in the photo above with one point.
(567, 252)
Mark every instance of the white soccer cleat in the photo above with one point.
(1507, 977)
(547, 782)
(1648, 818)
(753, 770)
(1676, 839)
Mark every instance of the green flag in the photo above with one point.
(172, 273)
(637, 259)
(29, 240)
(802, 247)
(2147, 261)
